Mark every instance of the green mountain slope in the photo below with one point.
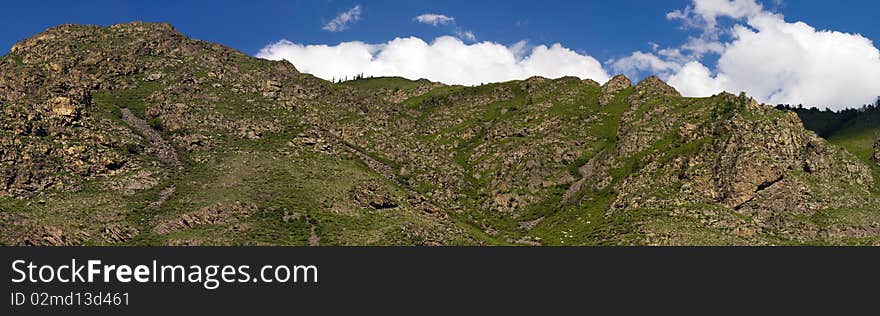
(136, 135)
(858, 131)
(859, 134)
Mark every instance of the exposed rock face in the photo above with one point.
(217, 214)
(760, 155)
(49, 236)
(271, 88)
(64, 106)
(48, 83)
(611, 88)
(764, 164)
(653, 87)
(371, 194)
(117, 233)
(643, 125)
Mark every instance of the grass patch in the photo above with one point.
(392, 83)
(135, 99)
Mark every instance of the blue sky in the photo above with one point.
(604, 29)
(607, 31)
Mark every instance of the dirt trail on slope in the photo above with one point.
(414, 198)
(377, 166)
(314, 240)
(164, 195)
(164, 150)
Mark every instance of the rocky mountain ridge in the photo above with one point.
(136, 134)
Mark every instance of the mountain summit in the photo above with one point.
(135, 134)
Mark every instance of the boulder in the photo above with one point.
(63, 107)
(210, 215)
(41, 235)
(271, 88)
(372, 194)
(116, 233)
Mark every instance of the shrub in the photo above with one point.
(133, 149)
(156, 124)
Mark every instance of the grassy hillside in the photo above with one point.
(136, 135)
(855, 130)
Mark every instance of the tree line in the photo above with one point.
(826, 121)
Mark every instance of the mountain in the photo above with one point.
(857, 130)
(134, 134)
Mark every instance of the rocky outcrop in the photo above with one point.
(747, 159)
(371, 194)
(653, 87)
(591, 82)
(118, 233)
(271, 88)
(612, 88)
(212, 215)
(64, 107)
(40, 235)
(761, 153)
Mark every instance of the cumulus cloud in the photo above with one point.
(342, 21)
(446, 59)
(441, 20)
(639, 62)
(435, 19)
(705, 13)
(771, 59)
(465, 34)
(694, 79)
(754, 49)
(781, 62)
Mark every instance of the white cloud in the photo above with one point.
(772, 60)
(447, 59)
(435, 19)
(697, 47)
(464, 34)
(705, 13)
(781, 62)
(759, 52)
(694, 79)
(440, 19)
(639, 62)
(342, 21)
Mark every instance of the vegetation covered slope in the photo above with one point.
(134, 134)
(856, 130)
(75, 171)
